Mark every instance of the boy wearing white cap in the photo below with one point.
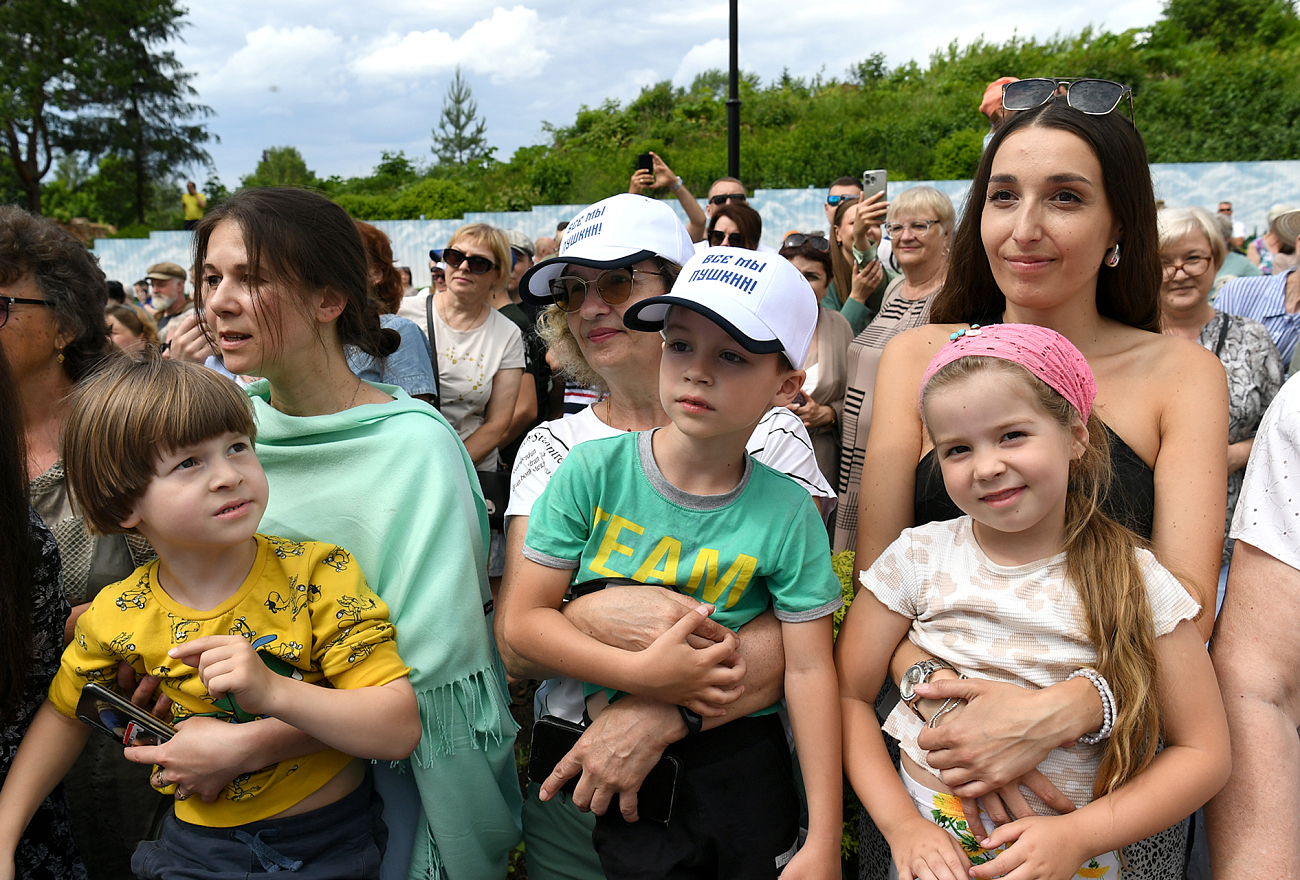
(686, 507)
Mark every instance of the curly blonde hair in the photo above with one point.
(553, 327)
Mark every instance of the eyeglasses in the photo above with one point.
(1192, 266)
(835, 200)
(731, 239)
(1096, 97)
(723, 198)
(7, 301)
(613, 286)
(798, 239)
(918, 227)
(477, 265)
(440, 274)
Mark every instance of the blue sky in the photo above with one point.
(344, 81)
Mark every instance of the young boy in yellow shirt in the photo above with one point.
(236, 625)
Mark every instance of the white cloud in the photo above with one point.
(295, 62)
(508, 46)
(706, 56)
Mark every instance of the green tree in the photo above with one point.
(281, 166)
(143, 108)
(1229, 25)
(84, 75)
(460, 138)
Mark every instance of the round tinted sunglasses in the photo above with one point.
(613, 286)
(1096, 97)
(477, 265)
(797, 239)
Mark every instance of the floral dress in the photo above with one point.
(45, 851)
(1255, 376)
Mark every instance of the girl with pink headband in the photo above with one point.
(1034, 585)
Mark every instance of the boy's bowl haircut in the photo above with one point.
(130, 413)
(760, 299)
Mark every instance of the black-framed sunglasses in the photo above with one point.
(723, 198)
(717, 238)
(477, 265)
(1096, 97)
(613, 286)
(7, 301)
(798, 239)
(834, 201)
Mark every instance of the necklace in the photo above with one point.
(609, 419)
(354, 394)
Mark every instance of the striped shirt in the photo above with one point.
(1264, 299)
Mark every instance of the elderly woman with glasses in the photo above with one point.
(1191, 251)
(615, 253)
(920, 223)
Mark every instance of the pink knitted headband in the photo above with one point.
(1045, 353)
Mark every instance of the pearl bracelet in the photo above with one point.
(1107, 705)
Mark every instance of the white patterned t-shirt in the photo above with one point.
(1022, 624)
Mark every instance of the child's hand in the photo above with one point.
(229, 665)
(924, 850)
(1044, 850)
(702, 679)
(815, 862)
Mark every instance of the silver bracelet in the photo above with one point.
(1107, 705)
(948, 705)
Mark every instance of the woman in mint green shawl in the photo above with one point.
(283, 286)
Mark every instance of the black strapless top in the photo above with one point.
(1131, 500)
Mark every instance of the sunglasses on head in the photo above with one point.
(723, 198)
(730, 239)
(798, 239)
(833, 201)
(613, 286)
(1096, 97)
(477, 265)
(7, 301)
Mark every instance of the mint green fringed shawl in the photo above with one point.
(393, 485)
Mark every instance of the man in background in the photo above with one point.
(194, 203)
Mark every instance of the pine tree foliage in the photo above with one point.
(461, 137)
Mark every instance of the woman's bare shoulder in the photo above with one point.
(921, 342)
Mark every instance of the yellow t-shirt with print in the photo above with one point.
(307, 610)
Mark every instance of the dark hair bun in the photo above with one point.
(389, 341)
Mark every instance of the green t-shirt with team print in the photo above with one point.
(608, 513)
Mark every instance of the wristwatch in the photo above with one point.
(916, 674)
(677, 185)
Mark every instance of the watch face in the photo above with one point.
(907, 689)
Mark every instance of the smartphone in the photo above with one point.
(553, 738)
(874, 181)
(645, 162)
(121, 719)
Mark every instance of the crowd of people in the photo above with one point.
(319, 530)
